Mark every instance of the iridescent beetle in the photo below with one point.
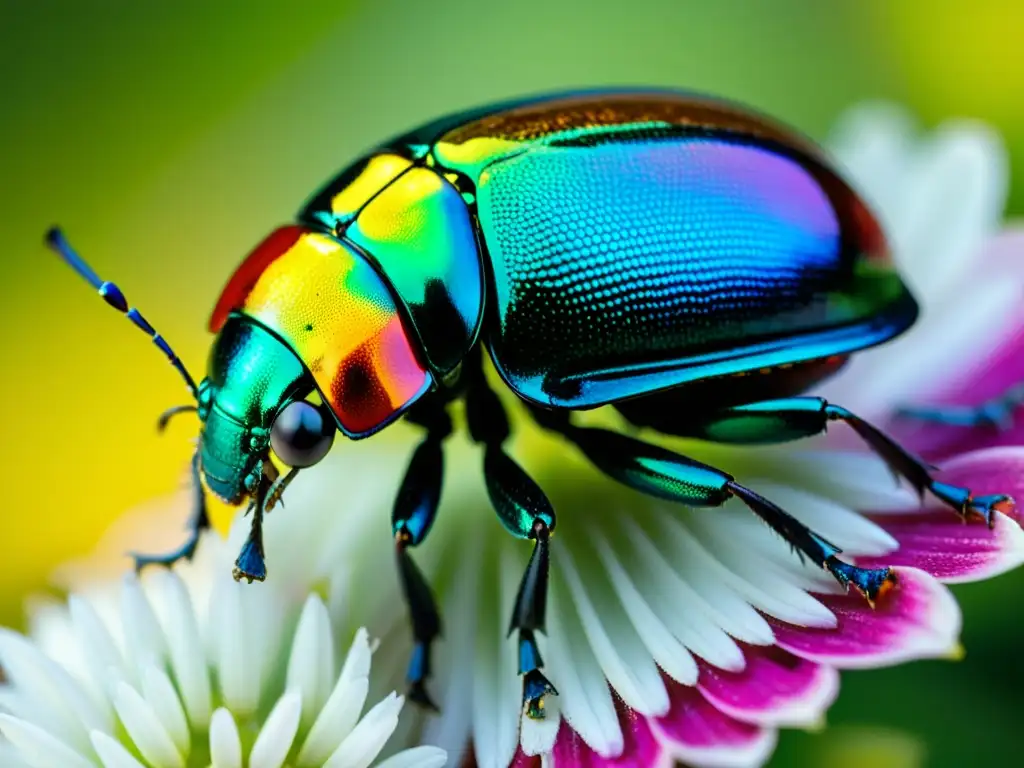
(687, 261)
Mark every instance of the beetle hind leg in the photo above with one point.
(919, 474)
(793, 418)
(199, 521)
(662, 473)
(996, 413)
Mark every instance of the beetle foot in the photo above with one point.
(250, 564)
(417, 693)
(535, 688)
(973, 507)
(872, 583)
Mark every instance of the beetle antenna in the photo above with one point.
(111, 294)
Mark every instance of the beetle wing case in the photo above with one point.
(641, 241)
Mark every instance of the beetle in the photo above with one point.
(685, 260)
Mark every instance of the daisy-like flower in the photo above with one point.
(672, 634)
(187, 668)
(694, 635)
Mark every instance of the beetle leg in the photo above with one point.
(659, 472)
(198, 522)
(250, 564)
(996, 413)
(776, 421)
(525, 512)
(412, 517)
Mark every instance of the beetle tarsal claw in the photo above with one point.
(535, 688)
(873, 584)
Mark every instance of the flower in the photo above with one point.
(188, 668)
(694, 635)
(674, 634)
(940, 198)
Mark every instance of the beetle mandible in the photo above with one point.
(690, 262)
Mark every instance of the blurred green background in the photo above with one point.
(169, 138)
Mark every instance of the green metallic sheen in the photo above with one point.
(252, 375)
(420, 233)
(518, 501)
(654, 470)
(765, 422)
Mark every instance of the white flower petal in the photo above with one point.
(112, 753)
(39, 748)
(763, 584)
(625, 662)
(496, 688)
(668, 653)
(341, 712)
(954, 198)
(10, 757)
(748, 531)
(537, 737)
(454, 668)
(586, 702)
(67, 710)
(914, 367)
(708, 577)
(145, 728)
(417, 757)
(872, 142)
(161, 696)
(98, 649)
(238, 672)
(147, 645)
(186, 648)
(367, 739)
(686, 614)
(311, 661)
(225, 743)
(854, 479)
(849, 530)
(278, 732)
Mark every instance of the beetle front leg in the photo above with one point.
(198, 522)
(412, 517)
(525, 512)
(776, 421)
(659, 472)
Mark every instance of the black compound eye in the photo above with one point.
(302, 434)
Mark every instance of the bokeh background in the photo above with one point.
(169, 138)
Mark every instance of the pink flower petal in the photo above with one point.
(991, 471)
(1004, 252)
(640, 747)
(999, 370)
(949, 549)
(521, 760)
(918, 619)
(775, 688)
(697, 733)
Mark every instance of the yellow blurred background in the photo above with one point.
(169, 138)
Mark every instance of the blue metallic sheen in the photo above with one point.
(630, 267)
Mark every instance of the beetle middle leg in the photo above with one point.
(662, 473)
(199, 521)
(525, 512)
(776, 421)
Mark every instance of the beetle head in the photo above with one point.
(252, 402)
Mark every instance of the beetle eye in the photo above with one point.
(302, 434)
